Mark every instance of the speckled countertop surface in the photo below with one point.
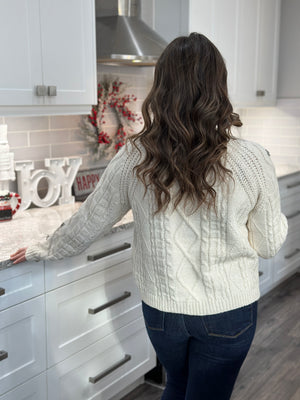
(35, 223)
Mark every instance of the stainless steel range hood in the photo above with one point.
(122, 37)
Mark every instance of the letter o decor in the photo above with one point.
(59, 181)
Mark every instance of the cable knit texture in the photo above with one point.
(199, 264)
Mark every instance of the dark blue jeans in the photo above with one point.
(202, 355)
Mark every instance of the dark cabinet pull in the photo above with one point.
(3, 354)
(260, 93)
(2, 291)
(95, 379)
(109, 303)
(293, 185)
(292, 254)
(109, 252)
(293, 215)
(260, 273)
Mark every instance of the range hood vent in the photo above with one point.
(122, 37)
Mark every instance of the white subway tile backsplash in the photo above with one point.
(43, 137)
(68, 149)
(275, 128)
(17, 139)
(279, 160)
(64, 121)
(288, 151)
(21, 124)
(76, 135)
(32, 153)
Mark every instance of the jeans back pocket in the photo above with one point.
(230, 324)
(154, 318)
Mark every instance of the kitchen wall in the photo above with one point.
(276, 128)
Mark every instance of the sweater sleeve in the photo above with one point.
(267, 226)
(104, 207)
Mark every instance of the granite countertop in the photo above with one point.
(35, 223)
(286, 169)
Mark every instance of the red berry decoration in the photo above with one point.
(110, 95)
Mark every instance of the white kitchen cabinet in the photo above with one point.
(84, 311)
(247, 35)
(87, 319)
(48, 57)
(105, 252)
(265, 275)
(33, 389)
(20, 283)
(104, 368)
(275, 270)
(22, 343)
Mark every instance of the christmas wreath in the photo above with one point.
(110, 95)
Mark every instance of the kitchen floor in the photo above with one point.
(271, 370)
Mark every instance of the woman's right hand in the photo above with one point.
(19, 256)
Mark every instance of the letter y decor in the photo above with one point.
(59, 179)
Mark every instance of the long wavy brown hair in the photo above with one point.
(187, 124)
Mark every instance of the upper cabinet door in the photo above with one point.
(247, 34)
(68, 49)
(20, 66)
(268, 50)
(48, 57)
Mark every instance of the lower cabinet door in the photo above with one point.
(22, 343)
(105, 368)
(21, 283)
(87, 310)
(265, 275)
(288, 259)
(34, 389)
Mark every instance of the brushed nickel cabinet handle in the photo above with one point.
(109, 252)
(95, 379)
(3, 354)
(41, 90)
(292, 185)
(52, 91)
(260, 273)
(109, 303)
(293, 215)
(260, 93)
(292, 254)
(2, 291)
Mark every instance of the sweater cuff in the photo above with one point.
(33, 253)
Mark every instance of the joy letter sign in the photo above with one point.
(59, 179)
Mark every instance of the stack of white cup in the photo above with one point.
(7, 172)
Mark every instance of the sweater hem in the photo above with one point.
(203, 307)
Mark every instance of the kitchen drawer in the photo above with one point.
(288, 258)
(34, 389)
(22, 339)
(290, 207)
(107, 251)
(121, 358)
(289, 185)
(265, 275)
(20, 283)
(70, 326)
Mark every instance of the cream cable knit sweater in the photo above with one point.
(199, 264)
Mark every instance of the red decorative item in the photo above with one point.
(6, 211)
(110, 97)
